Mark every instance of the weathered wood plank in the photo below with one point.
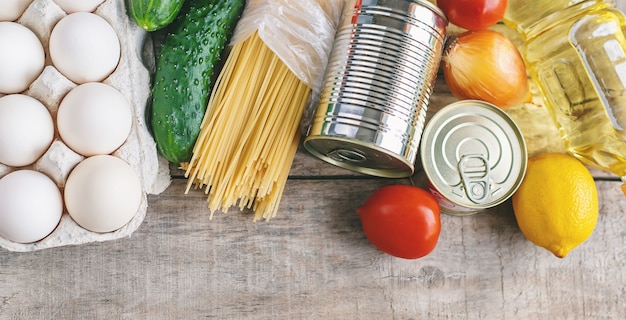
(313, 262)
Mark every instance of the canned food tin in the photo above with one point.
(473, 155)
(378, 82)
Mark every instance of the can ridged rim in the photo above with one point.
(383, 173)
(431, 6)
(402, 35)
(402, 17)
(371, 40)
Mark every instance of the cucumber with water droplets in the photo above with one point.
(185, 65)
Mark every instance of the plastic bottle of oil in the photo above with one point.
(575, 52)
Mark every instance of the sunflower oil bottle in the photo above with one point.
(575, 52)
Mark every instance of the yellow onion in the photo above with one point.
(485, 65)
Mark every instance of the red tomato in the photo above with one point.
(473, 14)
(401, 220)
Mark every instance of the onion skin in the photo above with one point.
(485, 65)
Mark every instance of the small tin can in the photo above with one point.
(380, 75)
(473, 156)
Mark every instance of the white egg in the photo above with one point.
(31, 206)
(4, 170)
(11, 10)
(84, 47)
(71, 6)
(103, 193)
(22, 57)
(26, 130)
(94, 119)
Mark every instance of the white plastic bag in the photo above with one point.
(299, 32)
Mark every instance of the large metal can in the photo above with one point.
(378, 83)
(473, 156)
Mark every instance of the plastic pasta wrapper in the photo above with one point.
(251, 130)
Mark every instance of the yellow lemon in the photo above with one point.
(556, 206)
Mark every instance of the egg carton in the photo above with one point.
(132, 79)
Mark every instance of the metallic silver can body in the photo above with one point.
(473, 155)
(377, 86)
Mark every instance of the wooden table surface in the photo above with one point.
(313, 262)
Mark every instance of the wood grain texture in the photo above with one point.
(313, 262)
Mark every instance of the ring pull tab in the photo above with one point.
(474, 170)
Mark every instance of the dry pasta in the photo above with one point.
(250, 133)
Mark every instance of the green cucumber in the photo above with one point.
(154, 15)
(185, 67)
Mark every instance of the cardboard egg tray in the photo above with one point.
(132, 79)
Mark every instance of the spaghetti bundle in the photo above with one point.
(251, 130)
(247, 143)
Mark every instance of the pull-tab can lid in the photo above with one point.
(473, 155)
